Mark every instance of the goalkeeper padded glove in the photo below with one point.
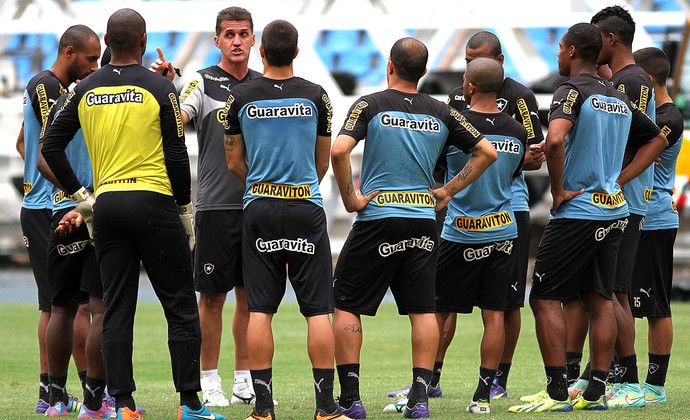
(85, 201)
(187, 218)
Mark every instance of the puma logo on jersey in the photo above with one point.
(515, 286)
(646, 292)
(491, 120)
(226, 87)
(408, 100)
(538, 276)
(118, 71)
(278, 86)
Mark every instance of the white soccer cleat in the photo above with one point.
(396, 407)
(213, 392)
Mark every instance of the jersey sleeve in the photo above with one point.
(566, 103)
(635, 87)
(44, 96)
(59, 132)
(357, 120)
(461, 133)
(325, 115)
(457, 100)
(231, 123)
(642, 129)
(524, 139)
(528, 115)
(174, 148)
(192, 96)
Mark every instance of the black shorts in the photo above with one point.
(35, 229)
(627, 253)
(286, 238)
(650, 295)
(470, 275)
(395, 252)
(520, 261)
(218, 251)
(575, 257)
(74, 273)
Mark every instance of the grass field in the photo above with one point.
(385, 366)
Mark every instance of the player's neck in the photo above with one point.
(484, 103)
(583, 68)
(60, 71)
(278, 73)
(236, 70)
(619, 61)
(661, 96)
(400, 85)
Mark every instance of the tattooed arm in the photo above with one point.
(235, 156)
(483, 155)
(342, 169)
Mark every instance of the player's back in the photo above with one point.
(280, 121)
(482, 212)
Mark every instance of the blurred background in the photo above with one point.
(344, 47)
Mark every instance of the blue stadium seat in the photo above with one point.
(545, 42)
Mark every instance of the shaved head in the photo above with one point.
(409, 57)
(484, 38)
(485, 73)
(77, 37)
(125, 28)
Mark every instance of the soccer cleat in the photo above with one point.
(269, 415)
(611, 390)
(420, 410)
(103, 413)
(543, 404)
(653, 393)
(320, 415)
(356, 410)
(58, 410)
(125, 413)
(628, 395)
(396, 407)
(186, 413)
(434, 392)
(534, 397)
(42, 406)
(497, 391)
(399, 393)
(110, 402)
(478, 407)
(580, 403)
(577, 388)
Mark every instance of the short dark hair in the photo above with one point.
(409, 56)
(279, 40)
(77, 37)
(485, 38)
(125, 28)
(655, 62)
(616, 20)
(586, 39)
(233, 13)
(486, 73)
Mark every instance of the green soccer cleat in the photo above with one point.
(653, 393)
(580, 403)
(545, 404)
(628, 395)
(534, 397)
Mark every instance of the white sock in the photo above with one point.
(212, 373)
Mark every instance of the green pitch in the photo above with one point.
(385, 366)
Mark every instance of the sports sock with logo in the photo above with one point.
(243, 376)
(323, 388)
(190, 399)
(502, 374)
(612, 376)
(209, 373)
(44, 388)
(556, 382)
(420, 381)
(82, 379)
(658, 366)
(262, 379)
(436, 376)
(572, 364)
(596, 386)
(93, 393)
(57, 390)
(486, 378)
(627, 368)
(348, 376)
